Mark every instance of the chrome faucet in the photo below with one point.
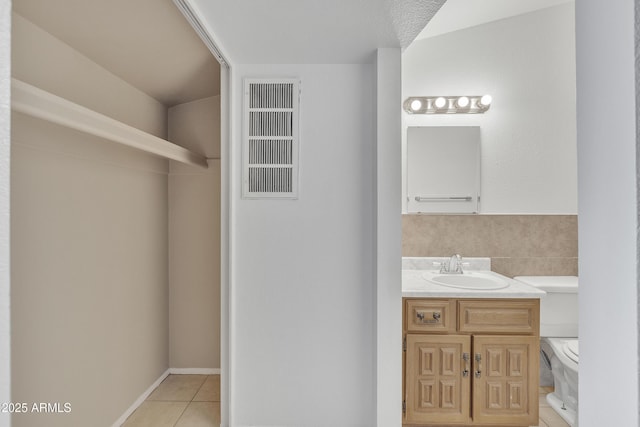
(453, 266)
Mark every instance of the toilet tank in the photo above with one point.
(559, 307)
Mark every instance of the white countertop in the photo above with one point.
(414, 285)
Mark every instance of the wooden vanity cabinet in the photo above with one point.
(470, 362)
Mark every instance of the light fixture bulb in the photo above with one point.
(416, 104)
(485, 101)
(440, 102)
(462, 102)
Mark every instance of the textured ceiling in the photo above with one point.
(313, 31)
(458, 14)
(147, 43)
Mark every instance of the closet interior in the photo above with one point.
(115, 205)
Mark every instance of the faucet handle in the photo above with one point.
(441, 264)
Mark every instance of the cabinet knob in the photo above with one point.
(436, 315)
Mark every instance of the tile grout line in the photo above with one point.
(190, 401)
(200, 388)
(181, 414)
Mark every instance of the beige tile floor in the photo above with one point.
(194, 401)
(548, 417)
(180, 401)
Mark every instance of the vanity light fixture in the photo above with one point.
(440, 102)
(447, 104)
(485, 101)
(462, 102)
(416, 105)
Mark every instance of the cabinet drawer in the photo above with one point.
(503, 316)
(431, 315)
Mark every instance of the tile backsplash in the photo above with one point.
(518, 245)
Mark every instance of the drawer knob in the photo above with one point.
(436, 317)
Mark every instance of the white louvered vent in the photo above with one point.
(270, 146)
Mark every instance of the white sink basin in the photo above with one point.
(468, 280)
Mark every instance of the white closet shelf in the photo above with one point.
(36, 102)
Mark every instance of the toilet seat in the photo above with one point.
(561, 348)
(572, 350)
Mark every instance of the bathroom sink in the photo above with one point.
(468, 280)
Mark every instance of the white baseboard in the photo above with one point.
(194, 371)
(141, 399)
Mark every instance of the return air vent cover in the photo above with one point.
(270, 142)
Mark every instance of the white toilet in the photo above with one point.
(559, 339)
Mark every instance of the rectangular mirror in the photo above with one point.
(443, 169)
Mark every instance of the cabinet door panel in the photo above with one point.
(436, 390)
(505, 392)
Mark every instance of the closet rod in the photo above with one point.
(36, 102)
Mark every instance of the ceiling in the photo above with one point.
(458, 14)
(312, 31)
(150, 45)
(147, 43)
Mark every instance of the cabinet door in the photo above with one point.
(437, 386)
(505, 381)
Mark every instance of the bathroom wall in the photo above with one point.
(609, 143)
(518, 245)
(5, 114)
(528, 222)
(89, 254)
(302, 313)
(194, 239)
(528, 137)
(387, 236)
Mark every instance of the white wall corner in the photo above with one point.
(388, 238)
(226, 219)
(607, 70)
(5, 134)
